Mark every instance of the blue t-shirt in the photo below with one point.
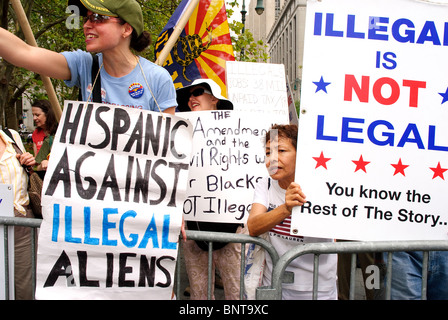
(130, 90)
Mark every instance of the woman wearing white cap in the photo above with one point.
(201, 95)
(112, 28)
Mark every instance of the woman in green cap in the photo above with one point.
(112, 28)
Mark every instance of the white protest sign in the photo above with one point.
(6, 210)
(373, 141)
(112, 204)
(228, 159)
(258, 87)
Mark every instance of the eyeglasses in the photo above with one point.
(97, 18)
(198, 92)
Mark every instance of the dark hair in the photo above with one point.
(51, 124)
(139, 43)
(288, 131)
(142, 42)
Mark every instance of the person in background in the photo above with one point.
(13, 172)
(274, 198)
(43, 135)
(112, 29)
(202, 95)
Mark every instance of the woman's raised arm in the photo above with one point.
(39, 60)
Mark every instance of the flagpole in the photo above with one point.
(176, 32)
(29, 36)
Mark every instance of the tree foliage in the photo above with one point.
(244, 45)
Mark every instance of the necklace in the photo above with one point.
(147, 84)
(94, 82)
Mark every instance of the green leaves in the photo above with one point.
(244, 45)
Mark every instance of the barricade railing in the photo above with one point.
(212, 237)
(279, 273)
(191, 235)
(23, 222)
(274, 292)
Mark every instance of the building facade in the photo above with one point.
(282, 28)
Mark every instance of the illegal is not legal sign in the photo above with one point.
(372, 154)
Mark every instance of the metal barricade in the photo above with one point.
(279, 273)
(191, 235)
(212, 237)
(24, 222)
(274, 292)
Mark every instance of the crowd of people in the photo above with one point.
(115, 30)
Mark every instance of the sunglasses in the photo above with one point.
(97, 18)
(198, 92)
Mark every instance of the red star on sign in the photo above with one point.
(361, 164)
(399, 167)
(438, 171)
(321, 160)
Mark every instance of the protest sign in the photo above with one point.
(372, 144)
(258, 87)
(227, 161)
(112, 204)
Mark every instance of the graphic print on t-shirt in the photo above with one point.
(283, 229)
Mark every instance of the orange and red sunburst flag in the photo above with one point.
(202, 48)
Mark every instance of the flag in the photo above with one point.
(203, 47)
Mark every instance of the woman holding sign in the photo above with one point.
(203, 95)
(274, 198)
(111, 28)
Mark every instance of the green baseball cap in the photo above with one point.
(128, 10)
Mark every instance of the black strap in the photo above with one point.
(96, 94)
(9, 134)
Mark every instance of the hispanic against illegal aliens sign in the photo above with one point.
(373, 147)
(112, 204)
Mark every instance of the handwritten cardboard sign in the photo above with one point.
(228, 159)
(258, 87)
